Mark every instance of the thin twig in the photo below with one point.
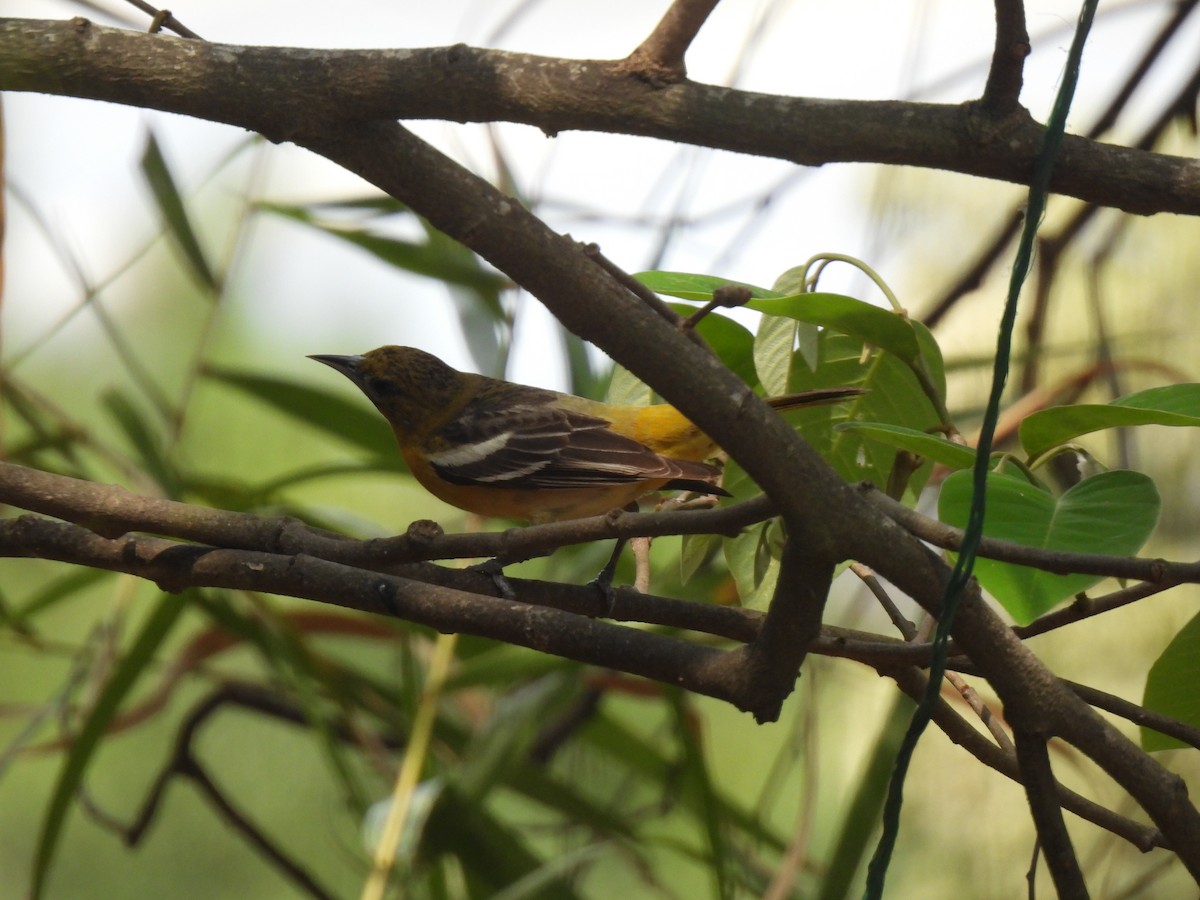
(1042, 791)
(162, 18)
(1002, 92)
(659, 58)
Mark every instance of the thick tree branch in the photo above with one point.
(297, 90)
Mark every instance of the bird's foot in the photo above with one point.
(494, 569)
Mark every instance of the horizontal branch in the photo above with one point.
(174, 566)
(1060, 562)
(302, 91)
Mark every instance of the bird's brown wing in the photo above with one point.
(544, 446)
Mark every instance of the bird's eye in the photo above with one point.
(381, 387)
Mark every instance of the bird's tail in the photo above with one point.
(815, 397)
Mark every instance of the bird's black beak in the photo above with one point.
(347, 365)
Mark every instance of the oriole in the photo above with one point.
(507, 450)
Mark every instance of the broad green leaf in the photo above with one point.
(1113, 513)
(872, 324)
(753, 559)
(352, 421)
(847, 315)
(1176, 404)
(1171, 686)
(696, 550)
(731, 341)
(894, 397)
(931, 358)
(773, 354)
(626, 389)
(931, 446)
(686, 286)
(135, 661)
(174, 213)
(803, 335)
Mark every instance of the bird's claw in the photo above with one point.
(494, 569)
(604, 583)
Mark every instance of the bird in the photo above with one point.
(506, 450)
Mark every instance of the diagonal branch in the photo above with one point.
(658, 60)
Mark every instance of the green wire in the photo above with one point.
(955, 589)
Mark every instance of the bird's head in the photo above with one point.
(407, 385)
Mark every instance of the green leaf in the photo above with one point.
(730, 340)
(351, 421)
(517, 720)
(753, 559)
(696, 550)
(63, 588)
(894, 397)
(698, 782)
(1171, 686)
(931, 446)
(1176, 405)
(146, 442)
(773, 354)
(1113, 513)
(847, 315)
(153, 632)
(431, 258)
(626, 389)
(686, 286)
(871, 324)
(175, 217)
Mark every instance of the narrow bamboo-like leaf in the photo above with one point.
(429, 258)
(174, 213)
(153, 632)
(351, 420)
(862, 807)
(516, 721)
(56, 589)
(146, 443)
(1176, 405)
(930, 446)
(709, 802)
(1113, 512)
(493, 854)
(1171, 686)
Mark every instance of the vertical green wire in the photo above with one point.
(959, 578)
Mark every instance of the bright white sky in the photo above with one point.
(78, 161)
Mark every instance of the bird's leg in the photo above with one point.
(604, 580)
